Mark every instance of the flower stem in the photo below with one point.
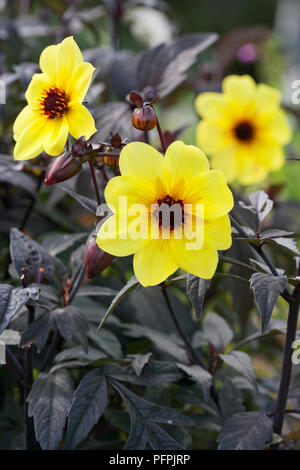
(30, 440)
(236, 262)
(190, 348)
(161, 137)
(193, 355)
(115, 15)
(104, 174)
(15, 365)
(95, 182)
(286, 365)
(31, 204)
(51, 350)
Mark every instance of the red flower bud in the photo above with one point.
(95, 259)
(144, 118)
(63, 168)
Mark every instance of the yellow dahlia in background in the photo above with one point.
(243, 129)
(54, 100)
(181, 177)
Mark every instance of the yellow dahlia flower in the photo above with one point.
(243, 129)
(149, 182)
(54, 100)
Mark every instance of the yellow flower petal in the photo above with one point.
(219, 232)
(267, 98)
(144, 162)
(211, 105)
(81, 122)
(129, 187)
(239, 89)
(23, 120)
(116, 240)
(269, 155)
(278, 127)
(153, 262)
(38, 84)
(211, 190)
(29, 143)
(55, 135)
(80, 81)
(225, 161)
(210, 137)
(48, 61)
(251, 171)
(68, 58)
(202, 263)
(180, 164)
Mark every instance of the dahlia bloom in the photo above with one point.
(54, 100)
(243, 129)
(188, 239)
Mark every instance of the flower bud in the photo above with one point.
(95, 259)
(112, 161)
(144, 118)
(63, 168)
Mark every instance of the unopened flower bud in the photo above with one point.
(95, 259)
(144, 118)
(63, 168)
(112, 161)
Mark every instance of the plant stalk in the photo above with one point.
(193, 355)
(189, 347)
(280, 408)
(55, 339)
(31, 204)
(98, 197)
(161, 137)
(30, 440)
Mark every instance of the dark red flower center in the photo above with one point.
(244, 131)
(170, 212)
(54, 102)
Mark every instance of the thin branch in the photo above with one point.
(161, 137)
(51, 350)
(31, 204)
(94, 179)
(232, 276)
(104, 174)
(236, 262)
(281, 402)
(77, 284)
(14, 364)
(194, 356)
(291, 410)
(50, 353)
(107, 154)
